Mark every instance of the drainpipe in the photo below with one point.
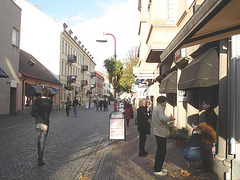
(23, 85)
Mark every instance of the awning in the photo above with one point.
(214, 20)
(169, 83)
(3, 74)
(32, 90)
(52, 92)
(201, 72)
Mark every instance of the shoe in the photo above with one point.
(41, 163)
(161, 173)
(164, 170)
(146, 153)
(142, 155)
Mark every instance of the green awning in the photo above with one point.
(169, 83)
(201, 72)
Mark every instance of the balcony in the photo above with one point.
(71, 78)
(84, 67)
(93, 74)
(72, 58)
(84, 82)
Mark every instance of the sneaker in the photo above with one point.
(161, 173)
(164, 170)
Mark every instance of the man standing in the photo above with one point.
(161, 132)
(68, 106)
(41, 111)
(75, 104)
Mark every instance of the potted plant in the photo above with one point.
(181, 136)
(172, 129)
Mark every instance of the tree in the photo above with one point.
(128, 77)
(114, 68)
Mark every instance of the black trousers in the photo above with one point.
(142, 140)
(207, 157)
(160, 153)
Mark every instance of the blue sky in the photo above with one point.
(88, 19)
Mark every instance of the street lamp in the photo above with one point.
(115, 56)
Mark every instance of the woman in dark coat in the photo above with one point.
(208, 135)
(143, 127)
(128, 112)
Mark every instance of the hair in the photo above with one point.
(161, 99)
(208, 102)
(44, 92)
(143, 99)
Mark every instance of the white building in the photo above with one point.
(53, 44)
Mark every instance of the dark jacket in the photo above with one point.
(41, 109)
(208, 127)
(142, 115)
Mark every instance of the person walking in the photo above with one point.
(75, 104)
(161, 132)
(143, 127)
(41, 110)
(68, 106)
(101, 104)
(208, 135)
(128, 112)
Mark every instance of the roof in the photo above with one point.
(29, 66)
(100, 73)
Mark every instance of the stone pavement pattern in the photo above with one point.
(78, 148)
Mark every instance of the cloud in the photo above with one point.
(79, 17)
(120, 19)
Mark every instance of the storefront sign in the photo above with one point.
(182, 96)
(117, 129)
(147, 76)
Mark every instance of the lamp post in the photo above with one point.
(115, 56)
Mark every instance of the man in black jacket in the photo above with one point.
(41, 111)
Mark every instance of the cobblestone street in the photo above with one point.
(74, 147)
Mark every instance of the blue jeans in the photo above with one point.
(42, 136)
(75, 110)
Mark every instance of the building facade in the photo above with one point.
(99, 84)
(10, 18)
(201, 62)
(58, 50)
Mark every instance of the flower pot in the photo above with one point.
(179, 142)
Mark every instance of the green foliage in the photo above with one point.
(115, 70)
(128, 77)
(181, 134)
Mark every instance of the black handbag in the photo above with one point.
(148, 128)
(132, 116)
(136, 121)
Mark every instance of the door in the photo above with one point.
(13, 102)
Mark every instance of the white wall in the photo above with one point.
(40, 36)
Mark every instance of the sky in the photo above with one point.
(89, 19)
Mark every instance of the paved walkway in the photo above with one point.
(121, 161)
(95, 160)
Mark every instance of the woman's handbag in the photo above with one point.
(148, 128)
(136, 121)
(132, 116)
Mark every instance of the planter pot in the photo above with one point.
(179, 142)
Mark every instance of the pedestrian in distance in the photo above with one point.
(161, 131)
(41, 110)
(208, 135)
(68, 106)
(97, 104)
(101, 105)
(128, 112)
(143, 127)
(105, 105)
(75, 104)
